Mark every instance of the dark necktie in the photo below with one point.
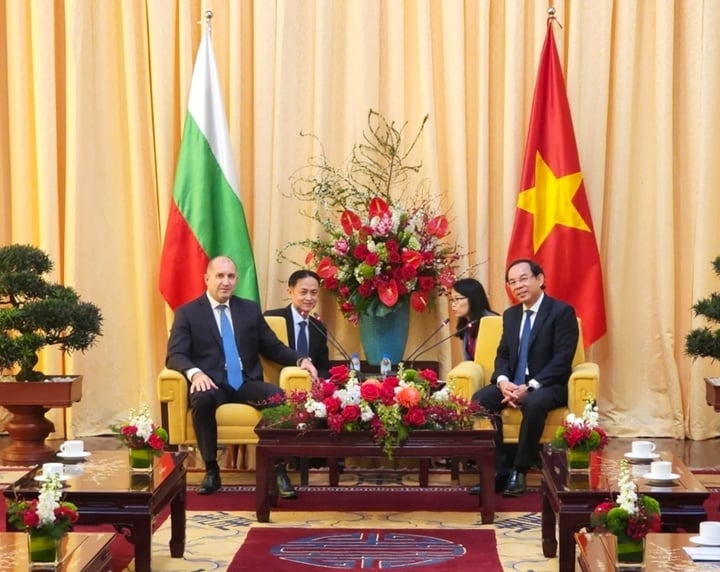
(302, 341)
(232, 358)
(523, 353)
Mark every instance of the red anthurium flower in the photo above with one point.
(418, 301)
(309, 257)
(378, 207)
(412, 258)
(438, 226)
(349, 222)
(388, 292)
(326, 269)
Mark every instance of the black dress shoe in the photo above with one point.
(501, 479)
(516, 485)
(284, 486)
(210, 483)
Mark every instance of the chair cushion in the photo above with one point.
(513, 417)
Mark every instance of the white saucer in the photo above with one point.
(654, 479)
(635, 457)
(83, 455)
(42, 478)
(699, 540)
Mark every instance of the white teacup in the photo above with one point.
(710, 532)
(49, 469)
(72, 448)
(660, 469)
(643, 449)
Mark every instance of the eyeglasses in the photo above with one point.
(457, 299)
(521, 281)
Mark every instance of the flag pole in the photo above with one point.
(208, 21)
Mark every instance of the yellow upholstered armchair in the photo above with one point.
(469, 376)
(236, 421)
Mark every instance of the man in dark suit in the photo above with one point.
(534, 380)
(196, 349)
(304, 289)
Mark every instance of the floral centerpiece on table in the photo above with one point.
(384, 243)
(45, 516)
(582, 433)
(630, 517)
(389, 409)
(140, 432)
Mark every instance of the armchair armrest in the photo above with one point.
(466, 378)
(584, 383)
(172, 391)
(294, 378)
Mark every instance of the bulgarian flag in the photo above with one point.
(206, 216)
(553, 225)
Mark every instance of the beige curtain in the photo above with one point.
(94, 97)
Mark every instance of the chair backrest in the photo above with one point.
(489, 334)
(271, 370)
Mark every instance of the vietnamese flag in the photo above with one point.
(206, 216)
(552, 224)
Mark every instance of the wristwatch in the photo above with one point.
(533, 384)
(302, 359)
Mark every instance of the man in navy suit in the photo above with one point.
(195, 348)
(304, 289)
(539, 385)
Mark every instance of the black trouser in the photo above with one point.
(204, 403)
(534, 409)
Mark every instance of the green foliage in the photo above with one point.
(35, 313)
(705, 341)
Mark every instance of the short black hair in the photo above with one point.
(300, 274)
(535, 268)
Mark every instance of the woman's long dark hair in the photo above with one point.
(479, 304)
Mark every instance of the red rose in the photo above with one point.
(429, 375)
(370, 391)
(351, 413)
(426, 283)
(332, 405)
(415, 417)
(372, 258)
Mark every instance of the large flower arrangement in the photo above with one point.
(384, 243)
(631, 516)
(140, 432)
(582, 433)
(47, 514)
(390, 409)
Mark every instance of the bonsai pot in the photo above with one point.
(29, 401)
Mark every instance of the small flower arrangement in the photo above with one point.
(378, 250)
(139, 432)
(389, 409)
(582, 433)
(631, 516)
(46, 515)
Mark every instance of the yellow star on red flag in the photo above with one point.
(550, 202)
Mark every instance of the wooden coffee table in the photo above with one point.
(107, 492)
(568, 500)
(83, 552)
(663, 551)
(275, 444)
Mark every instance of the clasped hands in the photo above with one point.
(513, 395)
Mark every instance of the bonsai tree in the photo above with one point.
(705, 342)
(35, 313)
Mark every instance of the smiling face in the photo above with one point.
(221, 278)
(304, 294)
(524, 285)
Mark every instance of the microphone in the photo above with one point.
(415, 352)
(327, 335)
(467, 326)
